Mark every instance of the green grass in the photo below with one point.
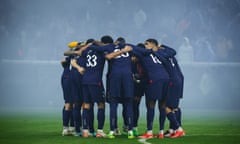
(46, 129)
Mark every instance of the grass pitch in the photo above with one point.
(46, 129)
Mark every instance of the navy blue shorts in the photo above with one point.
(66, 87)
(93, 93)
(139, 89)
(157, 90)
(76, 90)
(121, 86)
(174, 94)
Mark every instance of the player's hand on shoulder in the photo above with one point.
(73, 62)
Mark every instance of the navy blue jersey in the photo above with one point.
(168, 52)
(94, 65)
(138, 71)
(120, 64)
(76, 81)
(178, 69)
(66, 66)
(171, 63)
(180, 76)
(173, 67)
(120, 80)
(152, 64)
(66, 80)
(74, 72)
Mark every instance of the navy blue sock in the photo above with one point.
(113, 115)
(162, 118)
(135, 113)
(66, 117)
(129, 114)
(85, 118)
(171, 126)
(125, 121)
(178, 114)
(172, 118)
(150, 116)
(116, 124)
(101, 118)
(91, 119)
(71, 119)
(77, 117)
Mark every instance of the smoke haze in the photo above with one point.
(35, 33)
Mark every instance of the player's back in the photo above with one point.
(153, 66)
(94, 66)
(122, 63)
(66, 66)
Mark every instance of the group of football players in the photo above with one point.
(147, 69)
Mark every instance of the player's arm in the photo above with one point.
(117, 53)
(167, 51)
(139, 50)
(160, 56)
(80, 69)
(69, 53)
(98, 43)
(63, 63)
(79, 52)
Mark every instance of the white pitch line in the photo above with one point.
(143, 141)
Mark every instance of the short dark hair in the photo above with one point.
(151, 40)
(91, 40)
(121, 40)
(141, 45)
(106, 39)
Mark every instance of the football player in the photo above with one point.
(93, 90)
(68, 126)
(120, 82)
(140, 81)
(76, 88)
(175, 92)
(157, 80)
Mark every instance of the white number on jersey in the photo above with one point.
(122, 55)
(91, 60)
(155, 59)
